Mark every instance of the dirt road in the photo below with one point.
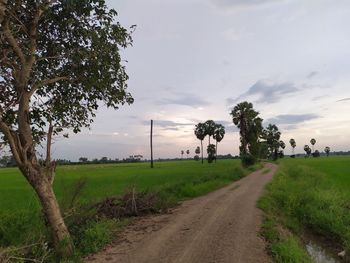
(222, 226)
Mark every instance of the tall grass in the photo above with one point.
(310, 195)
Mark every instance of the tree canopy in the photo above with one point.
(59, 62)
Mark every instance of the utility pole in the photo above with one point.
(151, 141)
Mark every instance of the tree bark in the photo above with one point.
(202, 149)
(59, 231)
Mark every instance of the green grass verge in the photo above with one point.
(307, 195)
(22, 224)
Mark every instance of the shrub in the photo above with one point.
(248, 160)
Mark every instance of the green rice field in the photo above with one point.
(20, 218)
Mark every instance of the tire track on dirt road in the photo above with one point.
(222, 226)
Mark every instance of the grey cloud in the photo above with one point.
(168, 125)
(185, 99)
(319, 97)
(235, 3)
(292, 119)
(267, 91)
(345, 99)
(312, 74)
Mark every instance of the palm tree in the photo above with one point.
(200, 132)
(312, 141)
(187, 152)
(327, 150)
(210, 128)
(282, 144)
(182, 153)
(244, 117)
(198, 150)
(218, 135)
(272, 136)
(293, 144)
(307, 150)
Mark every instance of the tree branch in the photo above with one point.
(48, 145)
(15, 148)
(12, 41)
(45, 82)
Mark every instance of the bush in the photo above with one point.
(248, 160)
(316, 154)
(211, 153)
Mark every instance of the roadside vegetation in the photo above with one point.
(307, 196)
(22, 224)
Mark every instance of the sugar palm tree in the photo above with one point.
(200, 132)
(182, 153)
(218, 135)
(272, 136)
(210, 128)
(282, 144)
(307, 150)
(327, 150)
(243, 116)
(187, 152)
(312, 141)
(293, 144)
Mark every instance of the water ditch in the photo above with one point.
(319, 252)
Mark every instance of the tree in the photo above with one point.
(59, 60)
(313, 142)
(293, 144)
(211, 153)
(307, 149)
(246, 119)
(182, 153)
(198, 150)
(200, 132)
(327, 150)
(210, 128)
(282, 144)
(83, 159)
(272, 136)
(316, 153)
(218, 135)
(187, 152)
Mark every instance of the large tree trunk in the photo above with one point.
(60, 235)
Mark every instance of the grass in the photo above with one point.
(21, 221)
(307, 195)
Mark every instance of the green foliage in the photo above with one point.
(283, 247)
(248, 160)
(311, 194)
(73, 60)
(219, 132)
(327, 149)
(211, 152)
(95, 235)
(250, 127)
(272, 136)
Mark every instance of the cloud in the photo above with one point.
(312, 74)
(267, 92)
(168, 125)
(241, 3)
(345, 99)
(291, 119)
(184, 99)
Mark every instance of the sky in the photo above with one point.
(193, 60)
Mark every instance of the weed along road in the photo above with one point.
(222, 226)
